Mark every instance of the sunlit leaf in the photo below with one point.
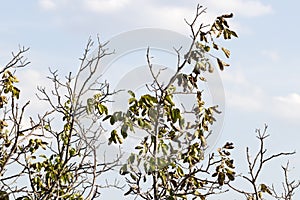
(226, 52)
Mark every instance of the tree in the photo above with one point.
(14, 135)
(58, 161)
(69, 168)
(57, 154)
(170, 158)
(255, 167)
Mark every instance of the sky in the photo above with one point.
(262, 85)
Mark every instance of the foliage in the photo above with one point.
(69, 168)
(170, 158)
(57, 153)
(14, 134)
(53, 154)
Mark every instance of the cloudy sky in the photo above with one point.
(262, 85)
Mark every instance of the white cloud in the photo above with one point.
(47, 4)
(246, 96)
(170, 18)
(118, 14)
(251, 102)
(273, 55)
(236, 77)
(241, 93)
(287, 106)
(247, 8)
(104, 6)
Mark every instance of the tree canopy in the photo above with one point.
(57, 154)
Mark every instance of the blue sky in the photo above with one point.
(262, 85)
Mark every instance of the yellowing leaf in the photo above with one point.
(228, 15)
(221, 64)
(215, 46)
(226, 52)
(202, 78)
(233, 33)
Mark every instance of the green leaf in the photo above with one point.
(113, 137)
(102, 109)
(131, 93)
(90, 106)
(131, 158)
(106, 117)
(133, 177)
(124, 170)
(141, 122)
(16, 92)
(221, 178)
(168, 98)
(264, 188)
(165, 149)
(179, 171)
(152, 113)
(214, 174)
(230, 177)
(72, 152)
(148, 100)
(175, 115)
(132, 100)
(124, 130)
(112, 120)
(206, 48)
